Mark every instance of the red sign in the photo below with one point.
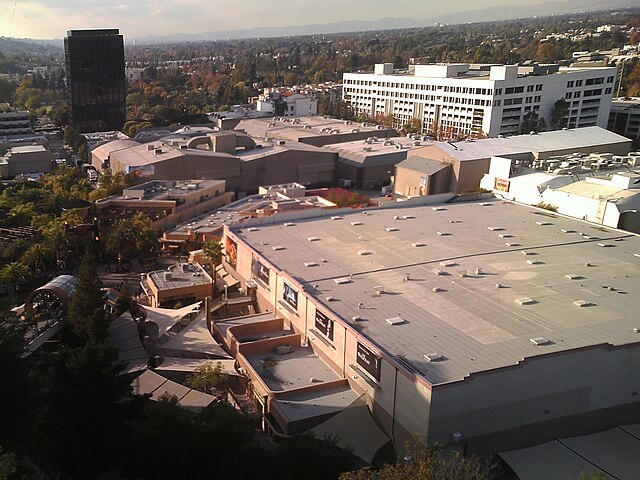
(501, 185)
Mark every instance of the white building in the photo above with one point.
(455, 100)
(598, 188)
(287, 104)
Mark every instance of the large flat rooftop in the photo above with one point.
(473, 282)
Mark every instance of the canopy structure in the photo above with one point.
(193, 341)
(157, 386)
(355, 430)
(168, 320)
(614, 452)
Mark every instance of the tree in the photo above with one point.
(13, 274)
(412, 126)
(558, 112)
(207, 376)
(86, 307)
(38, 256)
(423, 463)
(213, 251)
(530, 123)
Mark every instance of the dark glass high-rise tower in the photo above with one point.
(96, 86)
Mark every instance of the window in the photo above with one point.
(537, 98)
(567, 95)
(528, 100)
(518, 89)
(570, 84)
(290, 295)
(324, 324)
(539, 87)
(609, 79)
(578, 83)
(498, 91)
(608, 90)
(529, 88)
(508, 91)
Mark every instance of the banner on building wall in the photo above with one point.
(423, 185)
(501, 185)
(231, 252)
(324, 324)
(368, 360)
(290, 295)
(259, 271)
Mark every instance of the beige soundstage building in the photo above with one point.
(483, 326)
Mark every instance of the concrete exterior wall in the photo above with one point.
(536, 397)
(288, 166)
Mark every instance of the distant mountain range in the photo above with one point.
(498, 13)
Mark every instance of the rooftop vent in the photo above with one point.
(484, 204)
(310, 264)
(573, 276)
(395, 320)
(329, 299)
(582, 303)
(525, 301)
(336, 217)
(543, 223)
(364, 252)
(443, 234)
(437, 271)
(539, 341)
(566, 230)
(438, 209)
(419, 244)
(391, 229)
(495, 229)
(379, 289)
(407, 217)
(433, 357)
(511, 244)
(505, 235)
(437, 289)
(527, 252)
(448, 264)
(252, 229)
(278, 247)
(342, 280)
(534, 262)
(602, 244)
(356, 223)
(313, 239)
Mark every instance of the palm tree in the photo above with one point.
(37, 256)
(13, 274)
(212, 251)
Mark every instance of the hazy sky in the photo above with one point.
(52, 18)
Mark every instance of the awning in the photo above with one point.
(355, 429)
(156, 385)
(614, 452)
(122, 333)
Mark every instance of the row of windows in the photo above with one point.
(444, 88)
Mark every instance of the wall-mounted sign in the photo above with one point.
(368, 360)
(501, 184)
(290, 295)
(231, 252)
(259, 271)
(324, 324)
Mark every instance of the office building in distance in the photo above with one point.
(458, 101)
(96, 86)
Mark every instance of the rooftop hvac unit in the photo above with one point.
(168, 275)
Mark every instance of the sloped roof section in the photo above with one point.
(355, 430)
